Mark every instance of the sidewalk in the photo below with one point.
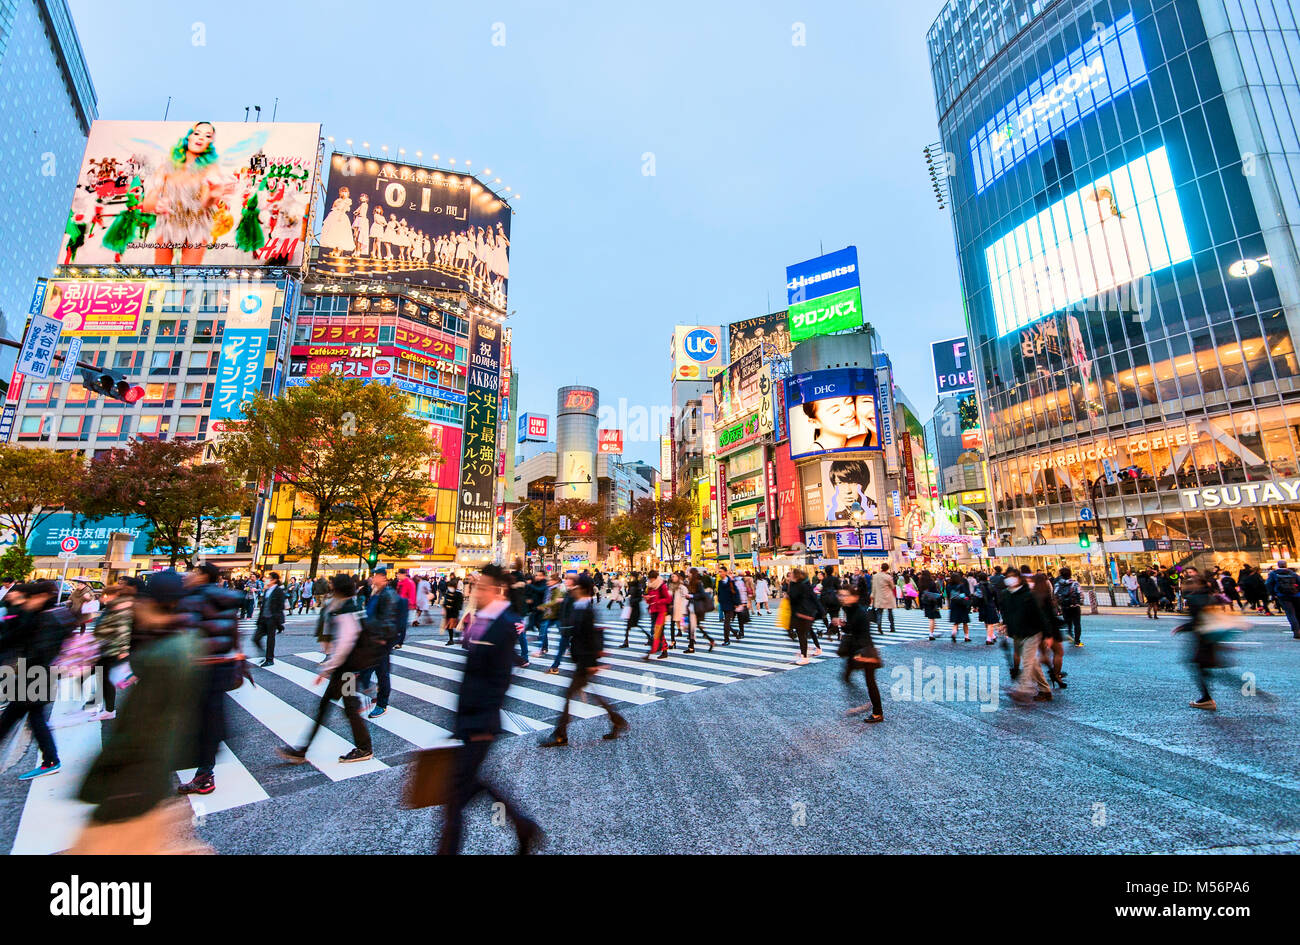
(1104, 609)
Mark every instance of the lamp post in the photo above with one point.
(1101, 540)
(857, 516)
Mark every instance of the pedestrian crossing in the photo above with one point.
(425, 677)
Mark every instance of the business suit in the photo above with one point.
(489, 662)
(270, 620)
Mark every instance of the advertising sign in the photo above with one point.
(164, 193)
(534, 428)
(243, 351)
(833, 410)
(827, 314)
(577, 400)
(770, 334)
(578, 468)
(415, 225)
(666, 466)
(733, 436)
(445, 468)
(787, 496)
(1089, 78)
(885, 403)
(610, 441)
(37, 353)
(817, 278)
(736, 388)
(697, 352)
(474, 516)
(954, 373)
(88, 307)
(1122, 226)
(831, 487)
(70, 359)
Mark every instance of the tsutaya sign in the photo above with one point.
(1272, 492)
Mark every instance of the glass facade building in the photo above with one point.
(47, 103)
(1124, 197)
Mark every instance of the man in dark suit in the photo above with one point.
(489, 642)
(270, 617)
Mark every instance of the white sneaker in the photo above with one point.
(104, 716)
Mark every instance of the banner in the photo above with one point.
(787, 496)
(415, 225)
(474, 516)
(164, 193)
(833, 410)
(770, 334)
(445, 469)
(243, 351)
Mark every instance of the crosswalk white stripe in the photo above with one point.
(235, 785)
(415, 730)
(520, 693)
(291, 726)
(52, 816)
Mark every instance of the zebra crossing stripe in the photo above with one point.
(52, 816)
(236, 785)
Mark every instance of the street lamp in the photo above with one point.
(857, 516)
(1101, 540)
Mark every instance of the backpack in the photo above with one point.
(1288, 584)
(369, 648)
(1067, 593)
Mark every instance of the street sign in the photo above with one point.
(70, 360)
(541, 541)
(67, 555)
(37, 353)
(69, 544)
(1085, 514)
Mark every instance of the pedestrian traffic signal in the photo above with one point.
(1084, 540)
(373, 559)
(112, 384)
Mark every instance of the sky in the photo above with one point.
(764, 152)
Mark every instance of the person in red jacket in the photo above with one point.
(406, 591)
(659, 599)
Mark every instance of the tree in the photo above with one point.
(329, 440)
(579, 513)
(34, 484)
(15, 564)
(631, 534)
(528, 522)
(165, 484)
(671, 518)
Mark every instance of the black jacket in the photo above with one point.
(728, 599)
(216, 611)
(587, 640)
(489, 661)
(37, 636)
(535, 594)
(1021, 613)
(857, 627)
(271, 612)
(382, 609)
(803, 601)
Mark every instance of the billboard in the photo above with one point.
(830, 488)
(243, 351)
(830, 313)
(817, 278)
(610, 441)
(697, 352)
(91, 307)
(475, 513)
(833, 410)
(769, 333)
(736, 390)
(534, 428)
(1090, 77)
(416, 225)
(578, 469)
(444, 470)
(163, 193)
(1122, 226)
(666, 466)
(954, 373)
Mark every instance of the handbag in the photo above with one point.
(430, 781)
(868, 656)
(783, 614)
(627, 612)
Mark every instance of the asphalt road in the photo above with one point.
(740, 751)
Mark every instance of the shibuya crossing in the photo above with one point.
(701, 504)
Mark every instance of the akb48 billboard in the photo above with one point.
(415, 225)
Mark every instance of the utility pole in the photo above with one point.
(1101, 540)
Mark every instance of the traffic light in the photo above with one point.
(112, 384)
(1084, 540)
(373, 558)
(584, 527)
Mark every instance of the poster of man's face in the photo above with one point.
(846, 482)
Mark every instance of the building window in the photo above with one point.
(77, 395)
(110, 426)
(33, 424)
(192, 393)
(149, 424)
(123, 359)
(187, 424)
(198, 360)
(204, 330)
(70, 425)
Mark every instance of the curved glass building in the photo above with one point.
(1124, 197)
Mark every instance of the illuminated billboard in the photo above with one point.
(610, 441)
(823, 276)
(416, 225)
(768, 333)
(1122, 226)
(88, 307)
(831, 488)
(164, 193)
(954, 373)
(534, 428)
(837, 312)
(1106, 66)
(697, 352)
(832, 411)
(475, 515)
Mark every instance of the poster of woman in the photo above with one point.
(832, 411)
(195, 193)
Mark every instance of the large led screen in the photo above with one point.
(1122, 226)
(833, 411)
(1093, 75)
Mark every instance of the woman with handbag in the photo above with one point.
(699, 596)
(858, 650)
(959, 606)
(805, 607)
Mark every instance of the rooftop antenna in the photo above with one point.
(167, 110)
(258, 109)
(245, 113)
(275, 108)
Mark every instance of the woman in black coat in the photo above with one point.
(959, 606)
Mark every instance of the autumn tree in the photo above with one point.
(347, 446)
(34, 484)
(631, 534)
(182, 500)
(671, 518)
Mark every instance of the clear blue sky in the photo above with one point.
(764, 151)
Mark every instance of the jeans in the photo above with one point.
(35, 713)
(523, 642)
(564, 645)
(384, 671)
(403, 619)
(1288, 608)
(542, 628)
(351, 708)
(880, 619)
(1133, 597)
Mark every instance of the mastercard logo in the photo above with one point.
(688, 371)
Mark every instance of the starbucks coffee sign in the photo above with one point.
(1272, 492)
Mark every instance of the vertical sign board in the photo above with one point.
(909, 471)
(70, 360)
(885, 380)
(478, 456)
(37, 354)
(243, 351)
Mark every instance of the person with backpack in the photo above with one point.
(382, 610)
(1069, 596)
(36, 635)
(1283, 584)
(356, 647)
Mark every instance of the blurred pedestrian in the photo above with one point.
(588, 645)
